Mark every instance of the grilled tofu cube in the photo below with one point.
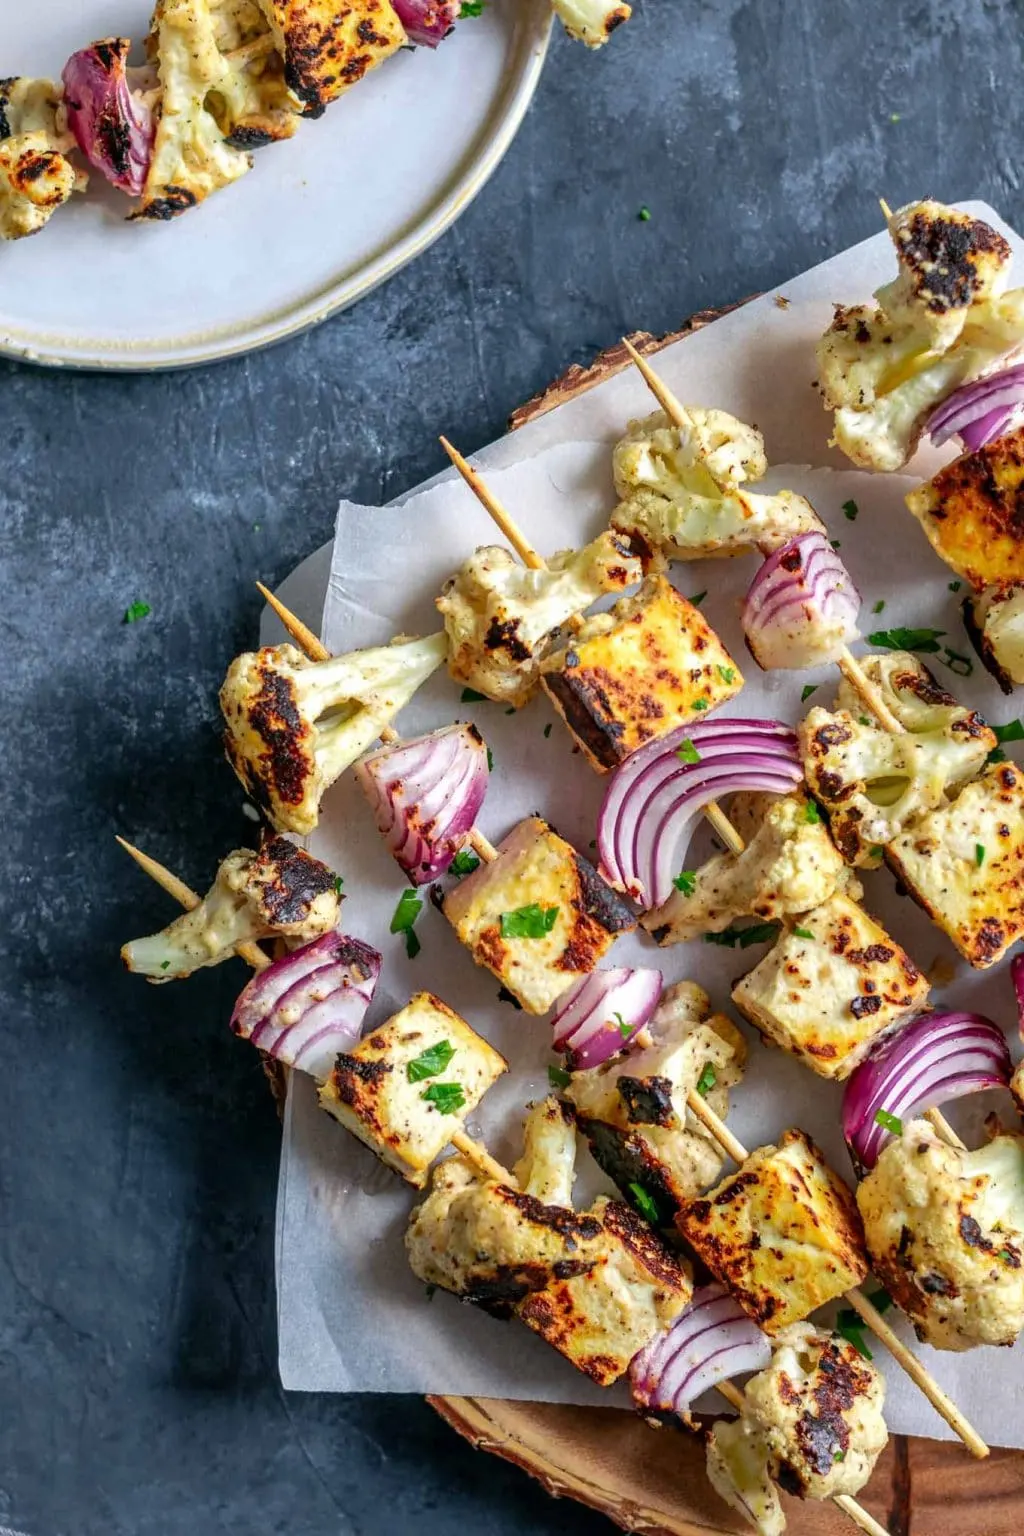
(782, 1233)
(964, 864)
(405, 1114)
(327, 47)
(830, 987)
(649, 665)
(539, 917)
(971, 513)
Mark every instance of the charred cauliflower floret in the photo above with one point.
(36, 176)
(788, 866)
(632, 1109)
(994, 619)
(327, 48)
(252, 103)
(294, 726)
(547, 1168)
(971, 512)
(680, 488)
(737, 1466)
(818, 1408)
(949, 263)
(590, 21)
(279, 891)
(945, 1230)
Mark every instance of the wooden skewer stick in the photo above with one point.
(857, 1513)
(529, 556)
(471, 1150)
(887, 211)
(315, 649)
(860, 1303)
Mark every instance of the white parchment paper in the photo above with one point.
(351, 1315)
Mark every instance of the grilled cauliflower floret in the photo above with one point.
(590, 21)
(964, 864)
(632, 1109)
(36, 176)
(737, 1465)
(499, 615)
(995, 622)
(945, 1230)
(970, 512)
(327, 48)
(911, 692)
(294, 726)
(252, 103)
(818, 1407)
(547, 1168)
(679, 488)
(782, 1233)
(279, 891)
(790, 865)
(948, 263)
(875, 783)
(652, 663)
(831, 987)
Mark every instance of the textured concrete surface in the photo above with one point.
(137, 1142)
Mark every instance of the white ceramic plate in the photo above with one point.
(318, 222)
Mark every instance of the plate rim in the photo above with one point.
(535, 22)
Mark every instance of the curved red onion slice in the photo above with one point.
(802, 606)
(600, 1014)
(426, 794)
(935, 1059)
(710, 1342)
(979, 410)
(427, 22)
(114, 130)
(310, 1005)
(1017, 977)
(653, 798)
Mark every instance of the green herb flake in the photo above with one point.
(707, 1080)
(803, 933)
(895, 117)
(811, 813)
(256, 527)
(645, 1203)
(510, 711)
(447, 1098)
(431, 1292)
(339, 886)
(700, 704)
(757, 933)
(889, 1122)
(865, 720)
(1007, 1255)
(850, 510)
(880, 1300)
(430, 1062)
(529, 922)
(808, 689)
(464, 863)
(835, 543)
(471, 8)
(902, 639)
(955, 586)
(490, 761)
(686, 881)
(408, 910)
(850, 1326)
(136, 611)
(1013, 730)
(644, 214)
(624, 1027)
(839, 1456)
(165, 965)
(962, 665)
(879, 605)
(547, 730)
(558, 1077)
(979, 854)
(470, 696)
(687, 752)
(727, 674)
(698, 598)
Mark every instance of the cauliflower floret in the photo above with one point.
(945, 1230)
(279, 891)
(36, 177)
(294, 726)
(738, 1472)
(499, 615)
(948, 263)
(547, 1168)
(790, 865)
(818, 1407)
(590, 21)
(680, 488)
(995, 623)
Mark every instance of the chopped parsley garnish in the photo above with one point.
(1013, 730)
(431, 1061)
(803, 933)
(808, 689)
(687, 752)
(686, 881)
(835, 544)
(530, 922)
(136, 611)
(889, 1122)
(811, 812)
(471, 8)
(963, 666)
(879, 605)
(625, 1028)
(510, 711)
(865, 720)
(895, 117)
(408, 910)
(955, 586)
(979, 854)
(907, 639)
(644, 214)
(700, 703)
(448, 1098)
(470, 696)
(1007, 1254)
(707, 1080)
(558, 1077)
(464, 862)
(339, 885)
(757, 933)
(727, 674)
(547, 729)
(850, 508)
(839, 1456)
(698, 598)
(490, 761)
(645, 1203)
(853, 1333)
(430, 1292)
(165, 965)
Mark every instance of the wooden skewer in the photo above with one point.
(857, 1513)
(472, 1150)
(887, 211)
(315, 649)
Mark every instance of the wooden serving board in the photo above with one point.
(653, 1482)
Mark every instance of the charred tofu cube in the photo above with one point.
(407, 1088)
(327, 47)
(782, 1233)
(602, 1316)
(649, 665)
(539, 917)
(971, 513)
(830, 987)
(964, 864)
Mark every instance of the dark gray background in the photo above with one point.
(138, 1144)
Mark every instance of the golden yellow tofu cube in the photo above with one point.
(830, 987)
(782, 1233)
(407, 1088)
(328, 46)
(649, 665)
(971, 512)
(539, 917)
(964, 864)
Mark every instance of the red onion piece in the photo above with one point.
(975, 434)
(427, 22)
(935, 1059)
(310, 1005)
(114, 130)
(587, 1018)
(710, 1342)
(426, 794)
(1017, 977)
(802, 606)
(653, 798)
(967, 408)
